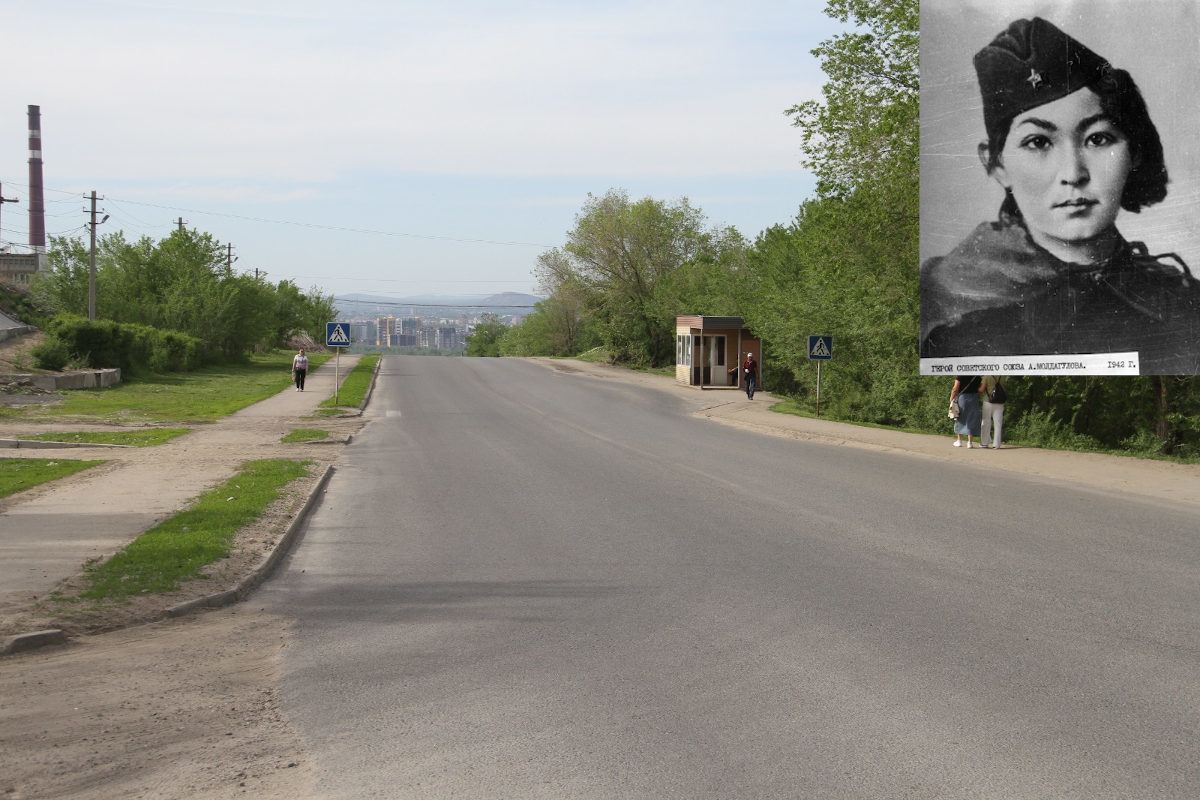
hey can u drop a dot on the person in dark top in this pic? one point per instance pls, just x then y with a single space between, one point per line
970 417
1071 141
750 374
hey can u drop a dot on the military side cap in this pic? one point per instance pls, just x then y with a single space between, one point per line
1030 64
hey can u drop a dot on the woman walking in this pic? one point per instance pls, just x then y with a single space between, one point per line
299 369
966 391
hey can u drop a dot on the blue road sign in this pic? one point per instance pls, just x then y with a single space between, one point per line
820 347
337 334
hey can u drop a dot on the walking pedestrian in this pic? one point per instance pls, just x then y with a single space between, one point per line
299 369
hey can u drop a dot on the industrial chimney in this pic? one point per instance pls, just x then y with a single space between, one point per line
37 197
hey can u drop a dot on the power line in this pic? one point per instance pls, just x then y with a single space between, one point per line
316 225
344 229
421 305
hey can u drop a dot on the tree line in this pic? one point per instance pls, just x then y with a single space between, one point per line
184 284
845 266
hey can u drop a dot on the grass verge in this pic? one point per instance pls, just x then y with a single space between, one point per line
19 474
355 385
148 437
204 395
299 435
178 549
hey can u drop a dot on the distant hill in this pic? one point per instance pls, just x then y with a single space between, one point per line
510 300
366 305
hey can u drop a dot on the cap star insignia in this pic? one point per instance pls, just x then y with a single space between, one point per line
1034 79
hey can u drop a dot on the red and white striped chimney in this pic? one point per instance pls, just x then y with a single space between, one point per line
37 197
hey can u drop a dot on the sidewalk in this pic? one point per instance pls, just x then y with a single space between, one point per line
46 535
1156 480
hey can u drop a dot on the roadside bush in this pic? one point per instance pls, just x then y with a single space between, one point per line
133 348
18 302
1040 429
52 354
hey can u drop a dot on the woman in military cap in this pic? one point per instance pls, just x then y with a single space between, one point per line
1070 140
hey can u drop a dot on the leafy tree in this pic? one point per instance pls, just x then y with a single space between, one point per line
558 326
847 265
866 131
484 341
623 260
181 283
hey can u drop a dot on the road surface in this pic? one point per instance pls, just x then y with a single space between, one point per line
528 583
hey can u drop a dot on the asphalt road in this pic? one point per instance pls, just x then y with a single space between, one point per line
530 584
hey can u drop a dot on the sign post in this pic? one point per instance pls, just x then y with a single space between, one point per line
337 336
820 348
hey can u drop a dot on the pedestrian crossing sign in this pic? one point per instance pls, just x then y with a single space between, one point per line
337 334
820 347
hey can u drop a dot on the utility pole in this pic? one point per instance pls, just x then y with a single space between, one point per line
92 256
181 222
229 259
4 200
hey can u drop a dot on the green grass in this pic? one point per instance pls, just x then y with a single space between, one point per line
596 355
305 435
797 408
201 396
147 437
178 549
19 474
354 386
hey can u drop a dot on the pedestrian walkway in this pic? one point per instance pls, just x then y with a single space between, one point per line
1144 478
1151 479
48 536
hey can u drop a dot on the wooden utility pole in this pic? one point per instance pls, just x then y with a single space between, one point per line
181 222
4 200
92 257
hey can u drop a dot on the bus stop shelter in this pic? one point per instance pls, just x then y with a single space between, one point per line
708 351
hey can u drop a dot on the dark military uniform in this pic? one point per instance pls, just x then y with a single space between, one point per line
999 293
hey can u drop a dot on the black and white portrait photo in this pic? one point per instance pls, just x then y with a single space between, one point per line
1060 187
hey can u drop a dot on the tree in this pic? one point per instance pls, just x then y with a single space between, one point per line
181 283
868 127
621 258
484 341
558 326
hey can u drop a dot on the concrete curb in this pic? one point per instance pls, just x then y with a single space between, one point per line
38 444
370 387
31 641
263 571
14 332
24 642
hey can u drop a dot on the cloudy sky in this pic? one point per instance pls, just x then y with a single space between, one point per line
401 148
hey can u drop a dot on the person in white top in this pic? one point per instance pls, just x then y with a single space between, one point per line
299 369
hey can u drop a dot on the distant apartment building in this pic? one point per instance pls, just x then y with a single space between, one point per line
362 331
449 338
385 328
413 332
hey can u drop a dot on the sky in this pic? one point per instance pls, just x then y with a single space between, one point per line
400 148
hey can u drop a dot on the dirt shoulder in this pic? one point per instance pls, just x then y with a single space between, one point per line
137 704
